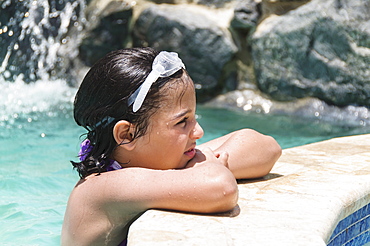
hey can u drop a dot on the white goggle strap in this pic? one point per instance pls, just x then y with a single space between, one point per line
165 64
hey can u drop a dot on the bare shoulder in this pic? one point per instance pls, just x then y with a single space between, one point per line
100 205
120 186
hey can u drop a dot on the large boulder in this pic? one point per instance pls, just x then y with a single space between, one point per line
209 3
246 15
321 49
279 7
206 48
109 30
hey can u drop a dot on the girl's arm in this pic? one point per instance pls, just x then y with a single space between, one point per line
251 154
208 187
112 200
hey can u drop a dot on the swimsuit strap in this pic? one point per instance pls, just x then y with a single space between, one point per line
113 165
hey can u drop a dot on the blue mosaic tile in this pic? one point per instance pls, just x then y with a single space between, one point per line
352 230
358 215
360 239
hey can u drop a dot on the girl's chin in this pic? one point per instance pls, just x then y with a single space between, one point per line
182 164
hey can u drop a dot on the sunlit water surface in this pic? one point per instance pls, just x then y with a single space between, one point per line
38 138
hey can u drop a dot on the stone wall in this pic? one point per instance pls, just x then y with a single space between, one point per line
320 50
278 50
285 49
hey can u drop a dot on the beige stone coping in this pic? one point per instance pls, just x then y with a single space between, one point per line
300 202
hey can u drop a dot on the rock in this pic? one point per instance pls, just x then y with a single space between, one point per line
321 50
246 15
205 46
311 109
280 7
111 32
209 3
171 1
34 36
213 3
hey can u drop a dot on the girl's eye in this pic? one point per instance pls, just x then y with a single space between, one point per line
183 121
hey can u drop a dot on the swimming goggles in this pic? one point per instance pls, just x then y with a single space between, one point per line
164 65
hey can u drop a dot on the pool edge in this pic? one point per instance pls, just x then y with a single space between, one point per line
310 189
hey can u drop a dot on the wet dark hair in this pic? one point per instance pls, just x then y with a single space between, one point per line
102 100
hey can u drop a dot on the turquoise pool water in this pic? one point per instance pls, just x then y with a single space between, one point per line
38 137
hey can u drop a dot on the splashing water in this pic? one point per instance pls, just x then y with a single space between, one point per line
20 100
41 37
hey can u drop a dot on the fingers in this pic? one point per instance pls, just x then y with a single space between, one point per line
208 151
223 158
207 155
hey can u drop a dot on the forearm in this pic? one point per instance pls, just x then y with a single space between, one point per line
204 188
201 189
253 161
251 154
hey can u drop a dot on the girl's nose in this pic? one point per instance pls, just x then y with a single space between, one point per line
197 132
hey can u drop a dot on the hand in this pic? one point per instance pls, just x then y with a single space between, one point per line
208 156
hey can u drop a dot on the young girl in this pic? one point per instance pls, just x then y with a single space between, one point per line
138 107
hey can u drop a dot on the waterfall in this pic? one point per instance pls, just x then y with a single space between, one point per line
38 51
39 39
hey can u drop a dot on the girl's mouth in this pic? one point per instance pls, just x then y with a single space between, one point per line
190 153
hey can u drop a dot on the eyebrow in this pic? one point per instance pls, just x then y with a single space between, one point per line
181 114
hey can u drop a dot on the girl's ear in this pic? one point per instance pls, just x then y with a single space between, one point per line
123 132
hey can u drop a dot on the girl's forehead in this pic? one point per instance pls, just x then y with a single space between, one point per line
177 98
177 90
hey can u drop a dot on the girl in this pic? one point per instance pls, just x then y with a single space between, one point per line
138 107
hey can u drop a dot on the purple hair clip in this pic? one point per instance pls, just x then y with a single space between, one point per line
85 149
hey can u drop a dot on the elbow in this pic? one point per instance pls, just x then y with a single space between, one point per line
269 154
273 153
229 197
225 195
277 151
